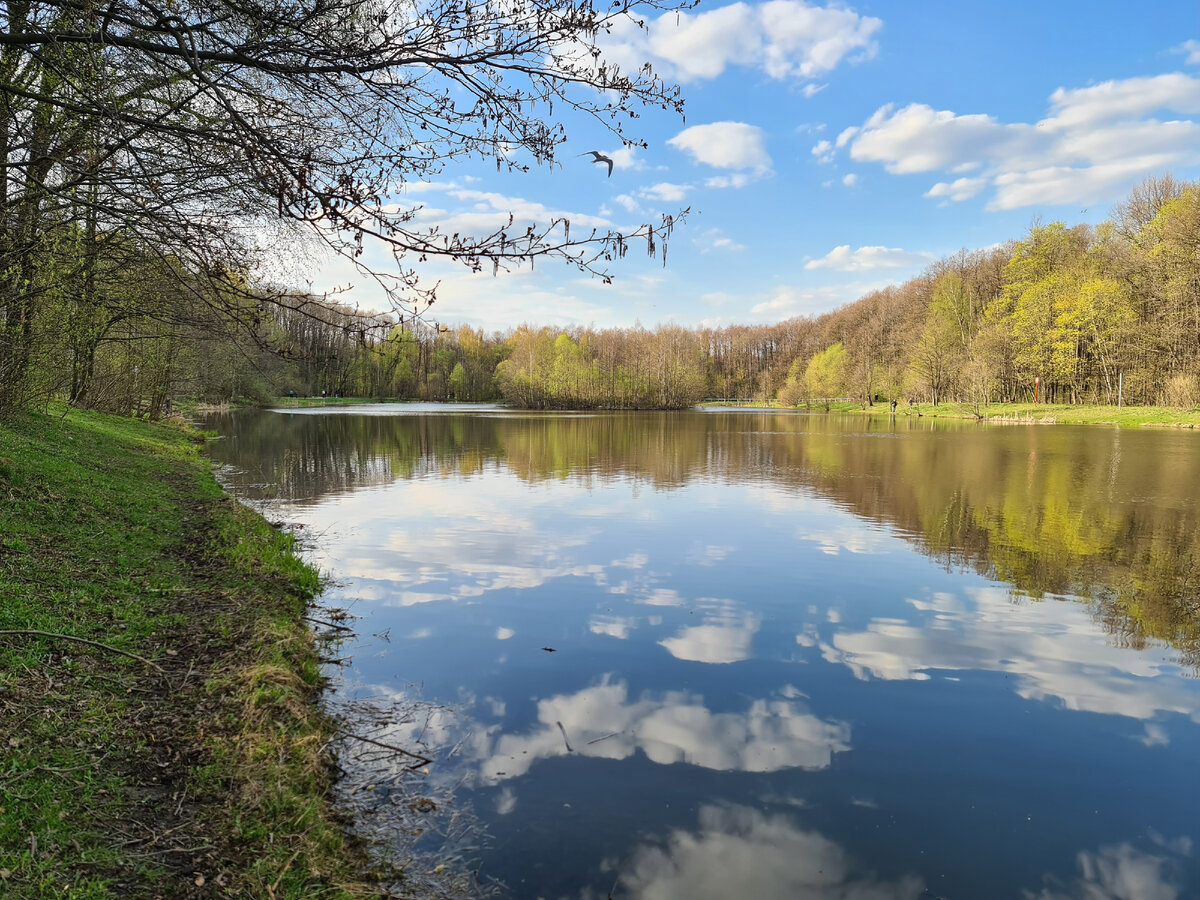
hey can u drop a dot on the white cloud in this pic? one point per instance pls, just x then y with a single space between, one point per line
737 851
919 138
784 38
506 801
1052 651
728 181
1113 101
850 180
619 627
661 597
1190 49
1092 143
852 537
724 635
866 259
666 192
1121 872
811 89
958 190
627 203
786 301
725 145
603 721
489 211
710 554
724 243
714 239
645 198
1155 736
823 151
626 158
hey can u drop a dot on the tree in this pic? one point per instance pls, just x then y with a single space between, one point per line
1170 244
1040 273
825 376
793 390
458 382
943 346
190 128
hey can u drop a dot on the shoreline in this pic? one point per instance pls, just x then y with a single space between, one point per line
1005 413
997 413
158 680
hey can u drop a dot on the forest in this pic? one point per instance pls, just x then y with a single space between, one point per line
150 196
1078 314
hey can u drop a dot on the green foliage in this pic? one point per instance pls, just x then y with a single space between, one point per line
630 369
1111 315
459 387
115 531
825 375
793 390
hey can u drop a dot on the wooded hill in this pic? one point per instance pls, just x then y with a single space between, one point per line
1095 314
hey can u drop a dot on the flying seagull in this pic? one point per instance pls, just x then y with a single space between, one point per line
598 157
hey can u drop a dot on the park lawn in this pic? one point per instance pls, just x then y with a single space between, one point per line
1037 413
1046 413
180 753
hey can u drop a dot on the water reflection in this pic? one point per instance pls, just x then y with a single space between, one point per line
958 654
1048 647
736 851
723 637
673 727
1114 515
1124 872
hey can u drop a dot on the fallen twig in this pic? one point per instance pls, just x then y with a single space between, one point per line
273 888
421 760
79 640
329 624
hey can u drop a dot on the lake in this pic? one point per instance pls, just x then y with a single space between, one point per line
761 654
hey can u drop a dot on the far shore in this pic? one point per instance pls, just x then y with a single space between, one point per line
1016 413
1002 413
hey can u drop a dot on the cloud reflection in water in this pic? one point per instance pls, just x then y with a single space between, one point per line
1122 872
724 634
602 721
741 852
1054 649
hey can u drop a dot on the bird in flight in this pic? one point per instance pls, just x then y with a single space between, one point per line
598 157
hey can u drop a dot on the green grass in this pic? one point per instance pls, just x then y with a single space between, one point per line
307 402
188 747
1061 414
1045 413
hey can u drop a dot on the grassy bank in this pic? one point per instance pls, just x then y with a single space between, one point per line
158 732
1043 413
1047 413
308 402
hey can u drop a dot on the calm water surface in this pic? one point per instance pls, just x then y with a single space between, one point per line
793 656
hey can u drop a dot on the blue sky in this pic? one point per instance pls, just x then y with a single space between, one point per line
829 150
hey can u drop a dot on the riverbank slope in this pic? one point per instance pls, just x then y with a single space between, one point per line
159 735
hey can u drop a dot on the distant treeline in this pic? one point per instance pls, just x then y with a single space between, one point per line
1079 314
1075 314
